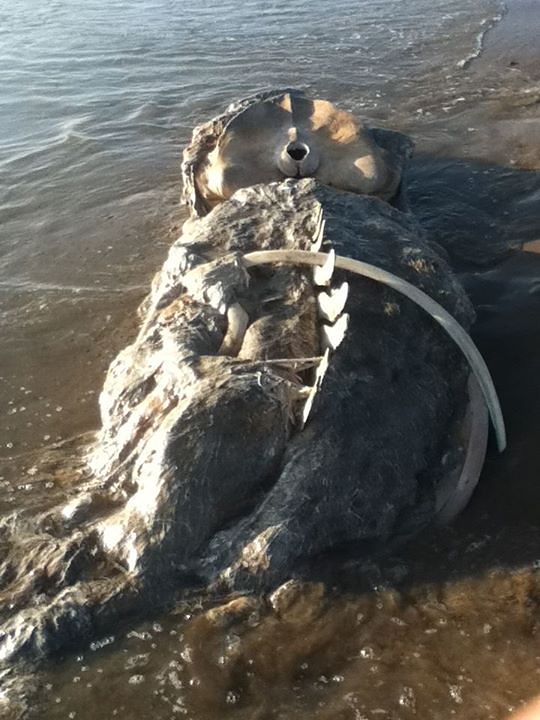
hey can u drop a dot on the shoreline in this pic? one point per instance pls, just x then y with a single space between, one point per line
482 38
513 41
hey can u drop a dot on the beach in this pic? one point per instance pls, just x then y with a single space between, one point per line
89 180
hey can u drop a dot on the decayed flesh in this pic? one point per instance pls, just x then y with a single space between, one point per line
261 417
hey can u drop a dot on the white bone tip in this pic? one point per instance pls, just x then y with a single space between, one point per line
333 335
238 321
322 368
322 274
332 303
318 237
311 392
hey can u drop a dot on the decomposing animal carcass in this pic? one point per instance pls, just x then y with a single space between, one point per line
273 407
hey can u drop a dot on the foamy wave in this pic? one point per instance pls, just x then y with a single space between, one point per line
486 25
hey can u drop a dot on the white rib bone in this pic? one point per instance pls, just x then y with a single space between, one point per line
331 303
453 493
332 335
322 274
437 312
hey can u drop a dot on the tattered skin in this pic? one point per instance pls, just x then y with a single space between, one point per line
292 136
263 415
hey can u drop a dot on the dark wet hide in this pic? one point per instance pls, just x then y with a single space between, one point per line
204 469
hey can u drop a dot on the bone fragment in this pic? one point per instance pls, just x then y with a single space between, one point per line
453 493
322 368
331 303
297 364
238 320
317 241
332 335
303 392
313 390
258 143
318 235
322 274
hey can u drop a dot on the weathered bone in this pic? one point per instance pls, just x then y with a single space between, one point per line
437 312
333 335
332 303
453 495
302 392
296 364
216 282
322 274
314 389
238 320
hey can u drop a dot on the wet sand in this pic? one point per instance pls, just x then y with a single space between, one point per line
514 136
513 42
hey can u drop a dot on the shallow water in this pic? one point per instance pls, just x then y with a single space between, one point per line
98 100
96 106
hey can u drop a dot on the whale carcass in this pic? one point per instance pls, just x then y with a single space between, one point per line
266 413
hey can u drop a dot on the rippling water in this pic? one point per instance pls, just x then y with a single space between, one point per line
97 100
